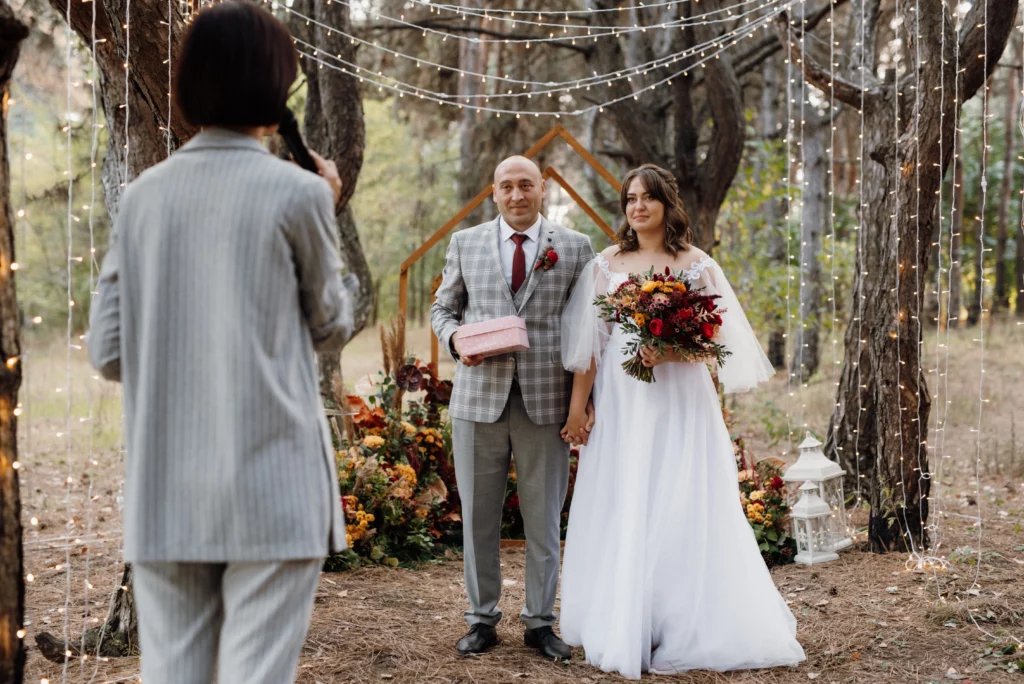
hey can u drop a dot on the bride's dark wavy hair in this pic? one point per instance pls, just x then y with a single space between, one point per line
660 184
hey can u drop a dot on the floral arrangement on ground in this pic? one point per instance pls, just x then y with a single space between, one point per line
397 475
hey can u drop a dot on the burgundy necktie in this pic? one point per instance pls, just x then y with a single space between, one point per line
518 263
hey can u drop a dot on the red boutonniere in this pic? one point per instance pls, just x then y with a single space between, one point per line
547 260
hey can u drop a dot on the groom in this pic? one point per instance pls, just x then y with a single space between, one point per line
517 265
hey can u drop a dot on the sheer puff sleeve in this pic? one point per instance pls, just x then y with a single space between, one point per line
747 365
584 331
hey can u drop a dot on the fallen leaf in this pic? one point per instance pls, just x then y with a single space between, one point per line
856 656
823 602
812 675
892 590
343 594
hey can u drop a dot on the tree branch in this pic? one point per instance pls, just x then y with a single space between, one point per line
1001 17
766 47
821 78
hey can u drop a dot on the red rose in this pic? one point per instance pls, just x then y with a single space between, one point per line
776 482
657 326
686 313
707 330
552 256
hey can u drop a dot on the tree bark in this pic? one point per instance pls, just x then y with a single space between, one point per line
132 146
774 208
977 303
703 183
806 350
334 127
880 428
1001 298
12 576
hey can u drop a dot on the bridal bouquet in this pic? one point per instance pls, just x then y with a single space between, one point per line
659 310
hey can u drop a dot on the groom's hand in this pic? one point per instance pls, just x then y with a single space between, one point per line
466 360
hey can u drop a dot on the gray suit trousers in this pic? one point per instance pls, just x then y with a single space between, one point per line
246 622
482 456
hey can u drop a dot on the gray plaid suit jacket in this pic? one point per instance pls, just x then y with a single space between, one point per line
474 289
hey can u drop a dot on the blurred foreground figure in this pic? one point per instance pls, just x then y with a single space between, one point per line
222 280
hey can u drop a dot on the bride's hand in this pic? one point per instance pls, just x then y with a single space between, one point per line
651 357
575 431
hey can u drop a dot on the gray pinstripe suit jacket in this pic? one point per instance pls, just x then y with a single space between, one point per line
222 277
475 289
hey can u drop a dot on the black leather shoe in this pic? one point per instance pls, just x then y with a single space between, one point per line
480 638
547 642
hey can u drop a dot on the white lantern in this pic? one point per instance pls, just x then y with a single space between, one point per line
813 466
810 527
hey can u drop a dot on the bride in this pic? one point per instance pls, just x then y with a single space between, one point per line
661 571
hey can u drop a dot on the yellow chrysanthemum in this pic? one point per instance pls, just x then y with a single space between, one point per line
409 428
680 285
757 495
640 319
649 286
373 441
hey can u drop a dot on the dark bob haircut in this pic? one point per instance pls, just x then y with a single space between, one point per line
660 184
235 67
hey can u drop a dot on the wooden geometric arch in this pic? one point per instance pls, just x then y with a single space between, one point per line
548 173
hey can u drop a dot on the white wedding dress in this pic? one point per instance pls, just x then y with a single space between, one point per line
661 571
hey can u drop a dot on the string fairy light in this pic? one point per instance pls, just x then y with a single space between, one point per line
936 463
861 253
548 87
802 271
790 132
403 89
69 519
493 15
981 299
444 35
90 459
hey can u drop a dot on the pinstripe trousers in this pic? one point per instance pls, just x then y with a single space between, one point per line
245 621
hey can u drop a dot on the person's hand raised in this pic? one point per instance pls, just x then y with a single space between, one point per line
330 172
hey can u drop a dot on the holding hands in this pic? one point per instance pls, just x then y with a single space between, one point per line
577 428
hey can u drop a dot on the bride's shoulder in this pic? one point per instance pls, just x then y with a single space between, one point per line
695 261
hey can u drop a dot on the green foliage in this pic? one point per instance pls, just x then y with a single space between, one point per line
46 136
406 192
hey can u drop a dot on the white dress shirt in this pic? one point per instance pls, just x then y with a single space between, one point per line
508 247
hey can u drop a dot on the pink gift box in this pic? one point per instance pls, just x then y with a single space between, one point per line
490 338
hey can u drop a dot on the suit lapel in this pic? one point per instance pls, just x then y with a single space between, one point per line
494 254
548 240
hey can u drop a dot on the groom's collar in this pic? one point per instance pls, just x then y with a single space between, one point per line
533 232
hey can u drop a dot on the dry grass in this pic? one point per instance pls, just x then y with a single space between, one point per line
400 625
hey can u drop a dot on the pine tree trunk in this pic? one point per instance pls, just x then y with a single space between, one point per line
976 304
774 208
333 126
806 350
1001 298
880 421
12 578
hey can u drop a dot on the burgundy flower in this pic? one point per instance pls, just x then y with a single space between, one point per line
710 306
409 378
776 482
707 330
657 327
